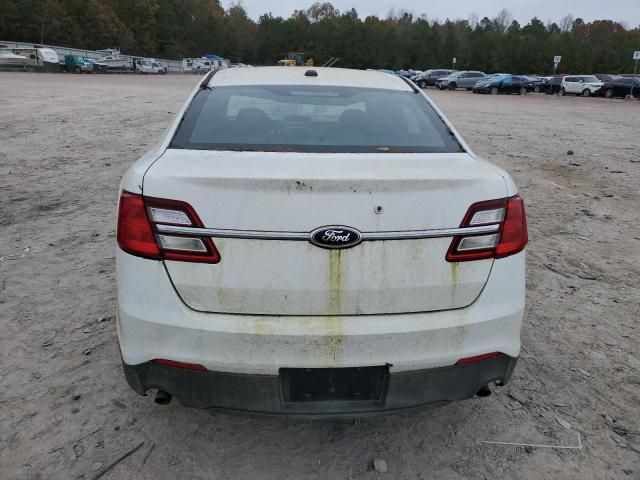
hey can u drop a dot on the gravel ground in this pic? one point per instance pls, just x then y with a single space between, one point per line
67 412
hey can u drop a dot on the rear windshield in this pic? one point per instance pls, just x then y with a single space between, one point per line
312 119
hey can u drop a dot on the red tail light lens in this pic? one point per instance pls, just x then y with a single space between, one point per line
479 358
509 239
176 364
513 235
135 233
138 235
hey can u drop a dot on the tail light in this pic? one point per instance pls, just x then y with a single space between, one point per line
510 238
138 235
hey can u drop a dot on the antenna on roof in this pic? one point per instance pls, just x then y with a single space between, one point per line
205 83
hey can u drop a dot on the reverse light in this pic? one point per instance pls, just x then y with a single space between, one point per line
511 238
137 234
170 217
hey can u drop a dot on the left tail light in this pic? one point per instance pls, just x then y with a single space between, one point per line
511 237
137 234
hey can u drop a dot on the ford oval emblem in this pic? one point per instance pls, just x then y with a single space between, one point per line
335 237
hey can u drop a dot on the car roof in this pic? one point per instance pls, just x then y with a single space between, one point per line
337 77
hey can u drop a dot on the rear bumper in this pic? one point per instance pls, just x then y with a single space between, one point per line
265 394
245 354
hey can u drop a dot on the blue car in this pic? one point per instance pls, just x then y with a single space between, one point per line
495 84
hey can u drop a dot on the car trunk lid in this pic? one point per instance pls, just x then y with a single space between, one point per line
272 201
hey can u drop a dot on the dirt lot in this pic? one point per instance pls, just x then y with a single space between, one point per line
67 412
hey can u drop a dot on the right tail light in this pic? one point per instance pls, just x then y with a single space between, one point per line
511 237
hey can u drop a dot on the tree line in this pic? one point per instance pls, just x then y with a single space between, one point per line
189 28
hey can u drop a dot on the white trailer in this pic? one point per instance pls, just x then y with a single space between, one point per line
42 59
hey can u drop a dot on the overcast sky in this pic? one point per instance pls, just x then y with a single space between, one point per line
626 11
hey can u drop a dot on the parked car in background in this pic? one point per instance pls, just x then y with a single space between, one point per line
462 79
503 84
96 66
428 78
333 305
605 77
550 86
621 87
585 85
538 85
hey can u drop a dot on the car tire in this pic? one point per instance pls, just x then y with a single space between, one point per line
608 93
452 86
536 89
422 84
77 70
493 91
586 92
523 91
562 92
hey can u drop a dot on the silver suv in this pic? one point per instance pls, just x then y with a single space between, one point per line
585 85
430 77
463 79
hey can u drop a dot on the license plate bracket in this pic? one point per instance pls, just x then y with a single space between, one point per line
329 385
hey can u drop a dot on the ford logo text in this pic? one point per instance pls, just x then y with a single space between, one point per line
335 237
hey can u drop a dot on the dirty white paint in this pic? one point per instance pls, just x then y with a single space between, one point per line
153 323
276 277
303 191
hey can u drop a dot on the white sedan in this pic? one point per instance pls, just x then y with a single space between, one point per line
317 241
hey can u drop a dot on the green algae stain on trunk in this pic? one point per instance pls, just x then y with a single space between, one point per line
454 274
334 340
454 281
334 336
335 282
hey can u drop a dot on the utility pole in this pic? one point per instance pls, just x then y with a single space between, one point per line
636 57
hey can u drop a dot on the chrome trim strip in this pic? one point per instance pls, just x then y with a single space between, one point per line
417 234
265 235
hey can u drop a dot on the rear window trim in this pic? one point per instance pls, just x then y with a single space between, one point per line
190 116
